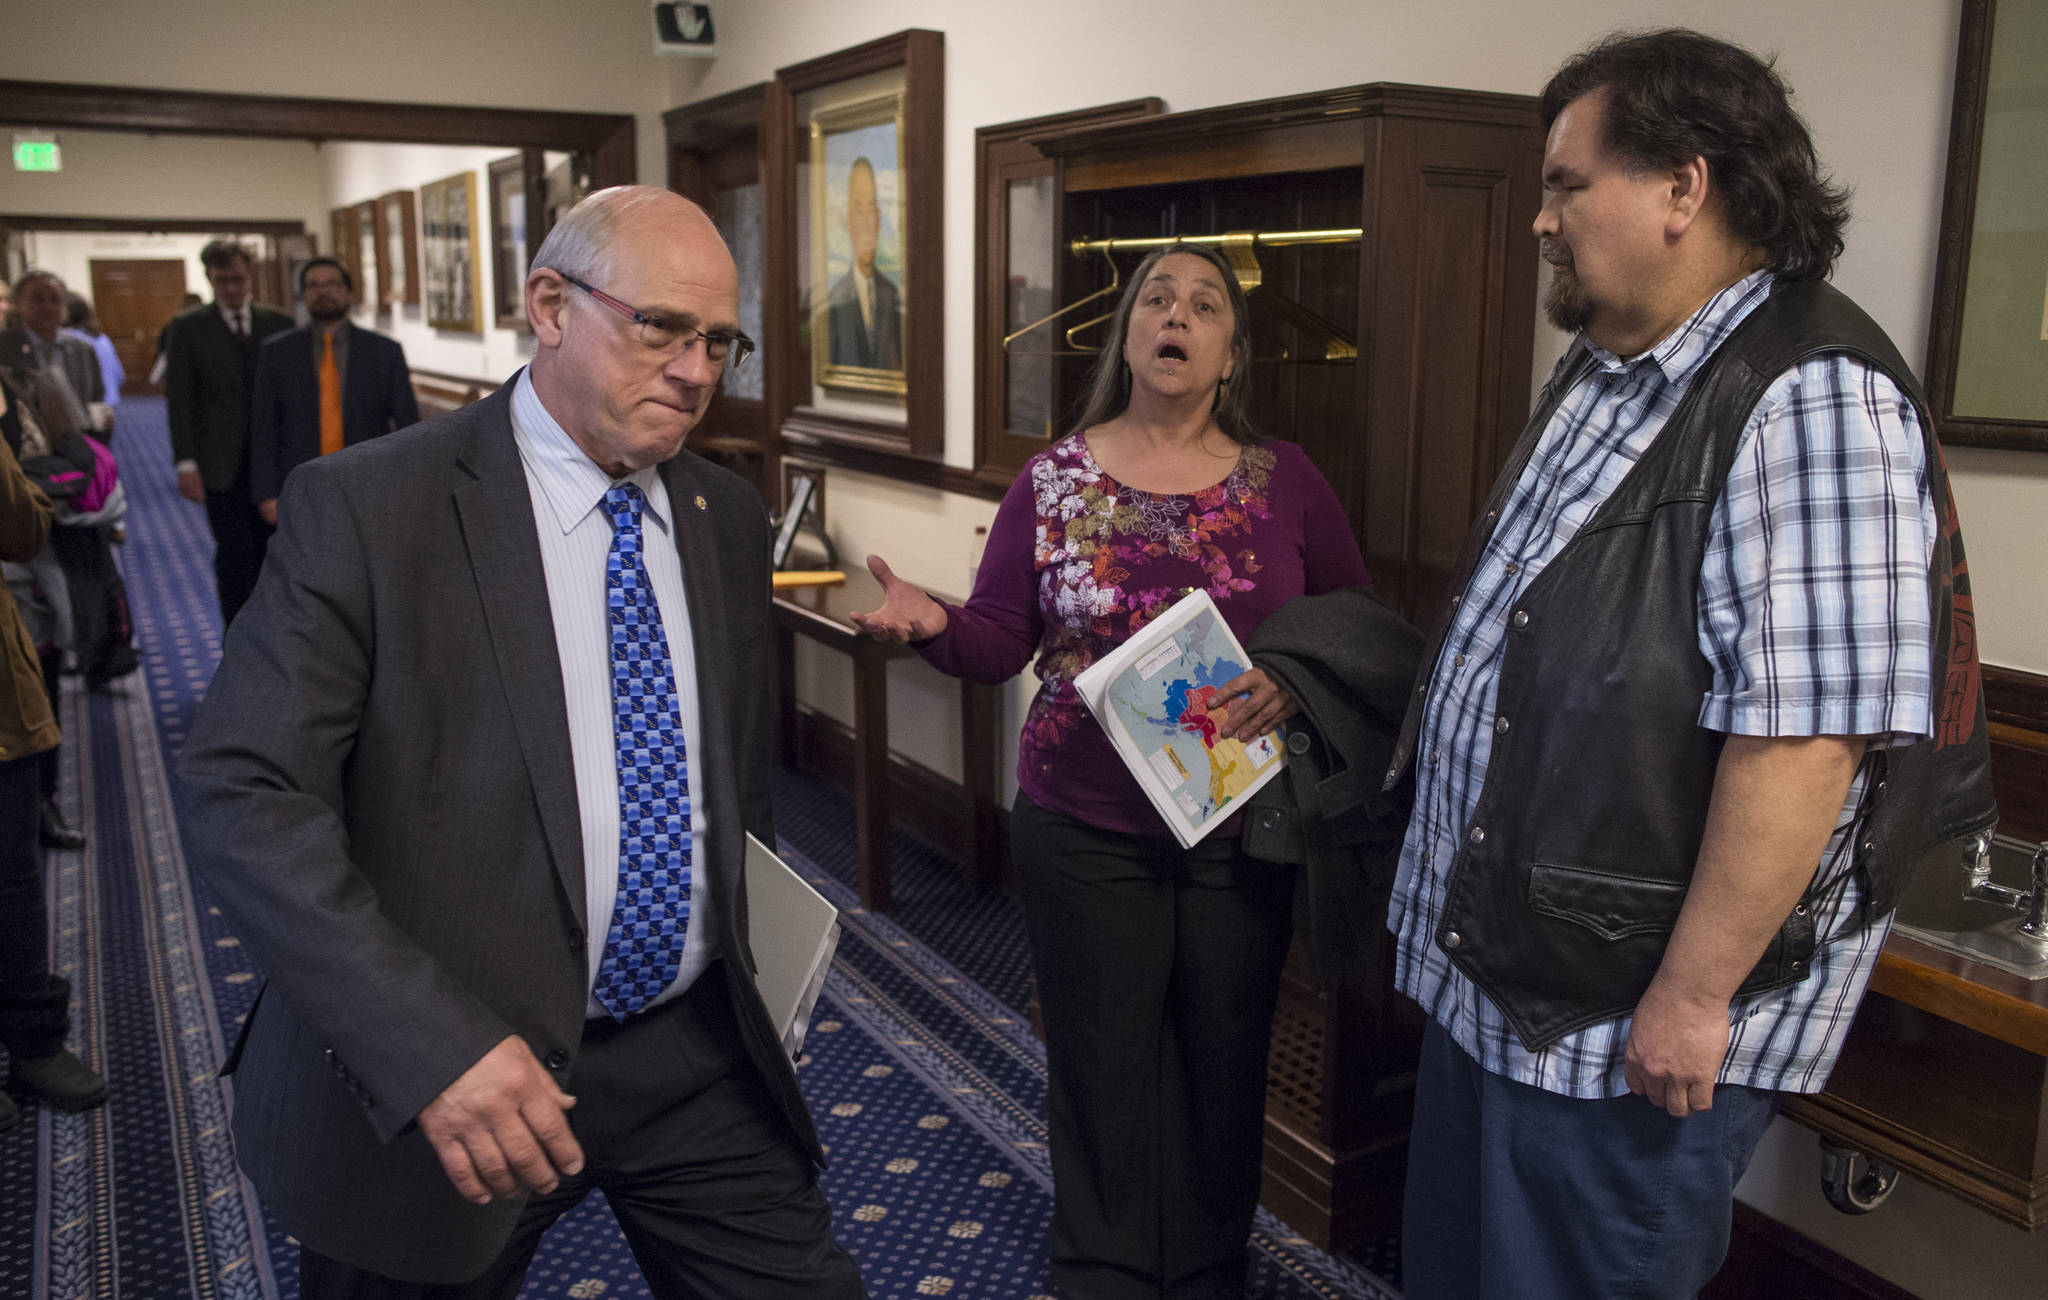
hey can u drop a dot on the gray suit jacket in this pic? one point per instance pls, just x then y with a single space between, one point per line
382 796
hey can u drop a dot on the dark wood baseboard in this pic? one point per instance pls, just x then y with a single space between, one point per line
1769 1261
919 798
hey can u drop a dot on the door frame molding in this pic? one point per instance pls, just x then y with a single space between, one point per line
608 138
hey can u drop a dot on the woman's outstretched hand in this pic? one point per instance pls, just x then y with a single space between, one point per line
907 614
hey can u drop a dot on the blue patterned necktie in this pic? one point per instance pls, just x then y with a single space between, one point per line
645 944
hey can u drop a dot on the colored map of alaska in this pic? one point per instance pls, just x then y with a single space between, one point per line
1187 702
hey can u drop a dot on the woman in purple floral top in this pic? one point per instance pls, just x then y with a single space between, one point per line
1157 966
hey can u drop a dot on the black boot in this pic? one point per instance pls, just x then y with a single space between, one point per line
32 1027
54 831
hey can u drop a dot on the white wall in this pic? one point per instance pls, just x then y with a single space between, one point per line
590 57
356 172
114 174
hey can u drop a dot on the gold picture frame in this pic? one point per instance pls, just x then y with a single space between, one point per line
397 217
451 279
369 257
858 337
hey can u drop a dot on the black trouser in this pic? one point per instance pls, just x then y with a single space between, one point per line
1157 971
240 538
699 1168
24 924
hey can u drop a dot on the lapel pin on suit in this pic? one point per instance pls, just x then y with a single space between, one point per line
702 504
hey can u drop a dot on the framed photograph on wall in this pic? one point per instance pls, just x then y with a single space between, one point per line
511 182
857 207
448 235
1987 351
397 217
853 173
341 242
803 487
369 262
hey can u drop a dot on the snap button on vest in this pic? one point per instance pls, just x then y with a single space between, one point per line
1453 939
1477 835
1521 618
1500 725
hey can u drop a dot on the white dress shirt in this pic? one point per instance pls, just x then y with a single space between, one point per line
575 533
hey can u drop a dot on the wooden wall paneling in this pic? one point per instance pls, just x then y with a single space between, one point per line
1898 1093
1449 387
1004 154
2016 706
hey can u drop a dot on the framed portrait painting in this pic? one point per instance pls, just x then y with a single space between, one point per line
853 174
858 201
397 217
450 275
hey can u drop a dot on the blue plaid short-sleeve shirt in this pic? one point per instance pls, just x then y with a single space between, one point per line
1814 613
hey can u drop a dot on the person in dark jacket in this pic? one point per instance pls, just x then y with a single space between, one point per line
210 366
323 386
1685 722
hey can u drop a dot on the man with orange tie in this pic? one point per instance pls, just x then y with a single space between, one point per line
323 386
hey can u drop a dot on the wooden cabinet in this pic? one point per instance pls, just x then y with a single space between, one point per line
1399 360
1437 294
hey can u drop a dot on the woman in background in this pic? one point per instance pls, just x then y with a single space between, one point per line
1157 966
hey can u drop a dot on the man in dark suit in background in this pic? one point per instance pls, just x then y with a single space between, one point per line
866 311
209 369
472 784
323 386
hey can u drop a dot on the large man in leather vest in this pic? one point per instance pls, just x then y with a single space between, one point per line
1705 693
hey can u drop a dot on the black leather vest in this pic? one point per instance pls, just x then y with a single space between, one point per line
1569 880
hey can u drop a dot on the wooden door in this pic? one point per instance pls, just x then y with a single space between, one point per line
133 298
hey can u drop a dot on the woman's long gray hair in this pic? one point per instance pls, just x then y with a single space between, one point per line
1109 384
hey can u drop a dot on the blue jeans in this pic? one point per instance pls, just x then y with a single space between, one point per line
1514 1191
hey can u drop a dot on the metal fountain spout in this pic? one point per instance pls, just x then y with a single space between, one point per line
2031 902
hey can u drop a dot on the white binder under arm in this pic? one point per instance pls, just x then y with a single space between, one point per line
793 932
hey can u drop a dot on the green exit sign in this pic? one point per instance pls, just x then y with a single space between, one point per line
37 156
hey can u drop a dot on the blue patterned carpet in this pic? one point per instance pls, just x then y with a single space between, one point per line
928 1087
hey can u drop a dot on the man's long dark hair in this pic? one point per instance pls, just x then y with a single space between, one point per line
1676 95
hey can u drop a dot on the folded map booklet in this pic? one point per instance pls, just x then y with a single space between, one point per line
1153 693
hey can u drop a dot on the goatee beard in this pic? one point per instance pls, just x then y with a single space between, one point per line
1565 303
